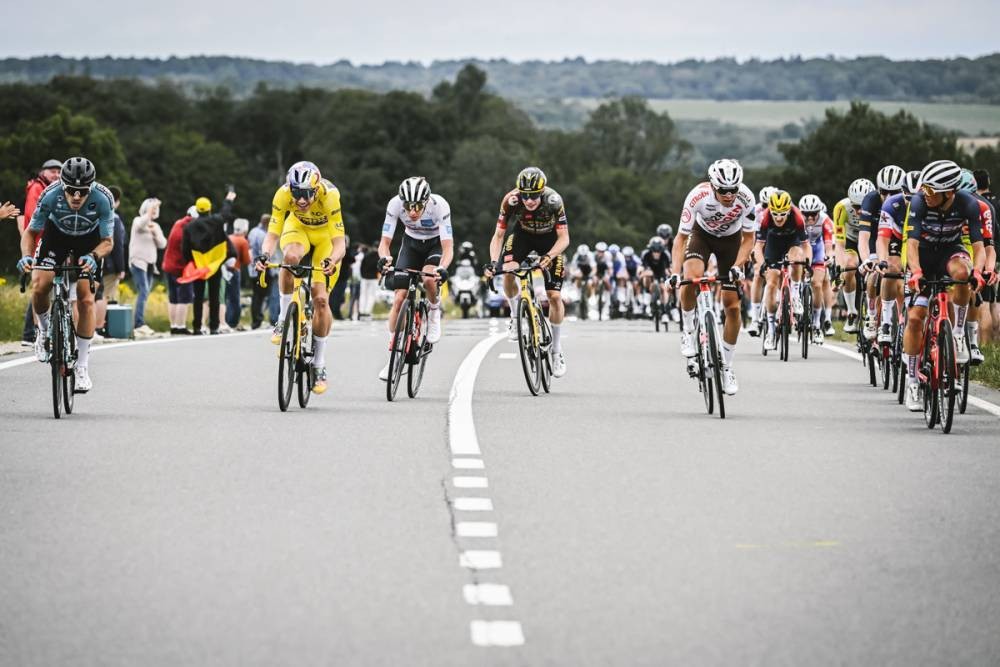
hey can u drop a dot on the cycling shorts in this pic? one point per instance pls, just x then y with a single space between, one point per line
55 247
701 245
415 254
316 240
519 244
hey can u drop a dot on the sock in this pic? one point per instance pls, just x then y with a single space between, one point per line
796 288
755 311
974 333
687 316
887 311
960 313
556 337
512 302
817 317
43 324
849 301
319 351
435 305
283 301
770 323
647 298
82 351
828 313
911 365
728 352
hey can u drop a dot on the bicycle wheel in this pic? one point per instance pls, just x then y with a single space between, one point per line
418 338
927 387
874 361
963 388
715 360
784 328
546 352
600 301
286 356
805 330
304 370
68 376
654 306
704 372
901 383
946 371
397 353
528 348
885 367
56 354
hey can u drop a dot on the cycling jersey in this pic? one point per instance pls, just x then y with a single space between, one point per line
868 219
435 221
548 217
632 266
795 226
314 229
819 229
933 226
845 221
702 208
97 213
660 266
893 216
602 261
581 260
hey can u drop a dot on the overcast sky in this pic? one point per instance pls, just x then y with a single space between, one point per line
373 31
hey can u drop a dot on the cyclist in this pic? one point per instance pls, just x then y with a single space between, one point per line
889 249
666 232
582 269
717 218
846 218
533 218
890 180
986 216
427 246
757 268
939 214
74 217
466 251
306 218
619 273
782 232
655 265
632 263
819 230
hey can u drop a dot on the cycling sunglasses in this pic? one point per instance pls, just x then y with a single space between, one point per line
75 190
531 196
303 193
727 191
414 205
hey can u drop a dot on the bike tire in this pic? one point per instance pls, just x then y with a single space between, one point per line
946 376
715 360
874 359
286 356
546 352
885 368
963 388
927 388
901 374
305 372
704 374
69 377
528 348
55 355
397 353
416 373
806 318
784 329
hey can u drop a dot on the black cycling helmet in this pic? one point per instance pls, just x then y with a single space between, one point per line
665 231
656 244
78 172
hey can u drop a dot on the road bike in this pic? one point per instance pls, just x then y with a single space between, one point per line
938 372
783 323
295 353
890 353
61 346
803 324
409 346
706 365
534 334
658 309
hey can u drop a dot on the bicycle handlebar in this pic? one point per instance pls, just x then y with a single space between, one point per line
521 271
60 268
424 274
297 270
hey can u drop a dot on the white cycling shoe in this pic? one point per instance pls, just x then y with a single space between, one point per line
976 355
885 334
963 350
383 374
851 326
870 328
511 330
82 383
729 384
41 347
828 329
913 401
558 365
769 339
797 305
687 344
434 325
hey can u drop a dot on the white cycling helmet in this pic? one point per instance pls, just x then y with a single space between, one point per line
725 173
614 249
628 251
912 181
941 176
583 249
601 246
765 194
890 178
810 204
414 190
859 188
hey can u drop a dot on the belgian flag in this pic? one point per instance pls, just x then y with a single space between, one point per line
206 247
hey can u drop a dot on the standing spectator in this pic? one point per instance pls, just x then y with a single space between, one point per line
48 174
343 278
114 267
206 247
179 296
270 292
369 281
147 237
353 309
234 308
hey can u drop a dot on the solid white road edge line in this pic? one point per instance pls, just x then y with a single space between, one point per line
461 429
982 404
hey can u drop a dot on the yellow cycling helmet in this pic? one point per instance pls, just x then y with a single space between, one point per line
202 205
780 202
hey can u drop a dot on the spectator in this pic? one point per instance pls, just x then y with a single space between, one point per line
179 295
32 193
8 210
369 281
270 291
234 269
114 267
343 278
205 248
353 309
146 238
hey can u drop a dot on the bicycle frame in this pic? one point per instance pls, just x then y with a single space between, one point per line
301 277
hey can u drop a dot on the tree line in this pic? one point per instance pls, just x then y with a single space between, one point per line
624 172
873 78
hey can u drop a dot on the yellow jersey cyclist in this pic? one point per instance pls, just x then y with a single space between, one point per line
306 217
846 221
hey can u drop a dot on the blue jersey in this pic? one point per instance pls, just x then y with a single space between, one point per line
871 212
935 227
96 213
893 215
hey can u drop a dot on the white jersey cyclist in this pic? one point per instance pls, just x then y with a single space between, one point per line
701 207
434 222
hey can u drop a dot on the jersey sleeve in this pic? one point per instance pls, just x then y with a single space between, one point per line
558 208
765 222
392 211
279 210
915 219
871 209
840 222
444 219
506 204
972 215
106 222
800 226
690 211
986 217
749 203
827 229
334 216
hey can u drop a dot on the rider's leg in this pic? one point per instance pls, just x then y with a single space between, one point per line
958 269
851 284
694 269
41 286
731 331
85 326
292 254
773 278
819 278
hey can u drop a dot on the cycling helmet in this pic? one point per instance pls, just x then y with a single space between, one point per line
939 176
810 204
628 251
665 231
465 262
601 246
890 178
655 244
304 175
912 181
779 202
967 183
614 249
414 190
765 194
78 172
531 181
859 189
583 249
725 173
466 245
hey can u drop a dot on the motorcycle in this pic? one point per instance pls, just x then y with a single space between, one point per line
465 287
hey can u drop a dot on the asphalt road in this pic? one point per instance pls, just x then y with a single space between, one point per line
177 517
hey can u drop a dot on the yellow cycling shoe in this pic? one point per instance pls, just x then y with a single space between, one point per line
279 328
319 386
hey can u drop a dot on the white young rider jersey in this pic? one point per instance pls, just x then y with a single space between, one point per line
701 207
434 221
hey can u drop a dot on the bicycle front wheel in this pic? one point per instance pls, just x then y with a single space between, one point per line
545 348
56 355
806 319
418 338
715 361
963 388
397 353
527 345
946 371
68 376
304 370
785 325
286 356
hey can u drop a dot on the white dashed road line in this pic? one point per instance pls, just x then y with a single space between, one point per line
470 482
